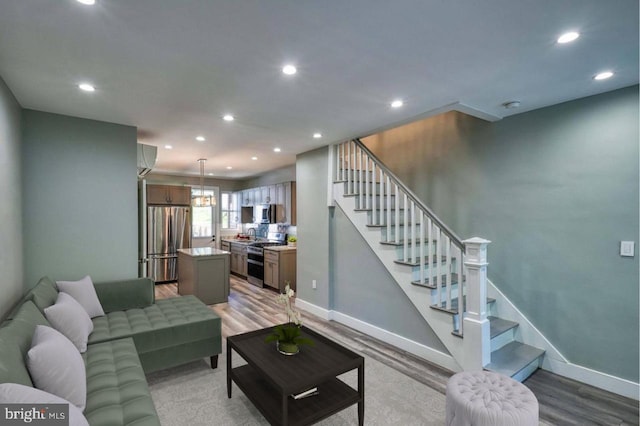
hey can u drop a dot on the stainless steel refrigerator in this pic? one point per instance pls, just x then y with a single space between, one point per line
168 229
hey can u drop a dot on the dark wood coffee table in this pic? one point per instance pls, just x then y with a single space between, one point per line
269 378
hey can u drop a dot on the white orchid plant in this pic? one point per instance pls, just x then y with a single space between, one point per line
289 335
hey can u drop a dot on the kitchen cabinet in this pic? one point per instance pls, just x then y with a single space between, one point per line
247 197
280 267
204 272
257 196
281 193
239 259
168 195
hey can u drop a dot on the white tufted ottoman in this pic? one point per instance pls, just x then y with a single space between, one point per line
484 398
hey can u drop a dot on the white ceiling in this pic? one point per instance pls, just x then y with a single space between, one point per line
174 67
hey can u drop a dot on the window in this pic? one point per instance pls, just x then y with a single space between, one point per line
202 217
229 210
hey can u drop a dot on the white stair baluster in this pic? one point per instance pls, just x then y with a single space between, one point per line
375 220
463 307
388 200
349 168
406 228
435 264
414 236
421 254
448 272
397 215
367 190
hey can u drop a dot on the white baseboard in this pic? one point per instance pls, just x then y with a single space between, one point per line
313 309
408 345
594 378
591 377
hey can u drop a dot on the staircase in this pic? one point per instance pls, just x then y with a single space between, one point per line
443 276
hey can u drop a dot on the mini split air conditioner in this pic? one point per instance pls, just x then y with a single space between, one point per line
147 155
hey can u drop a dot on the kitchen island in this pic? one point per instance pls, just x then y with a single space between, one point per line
204 272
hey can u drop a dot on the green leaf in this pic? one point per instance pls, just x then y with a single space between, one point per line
304 341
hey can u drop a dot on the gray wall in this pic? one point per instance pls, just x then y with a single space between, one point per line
349 277
313 227
80 202
284 174
11 284
556 190
364 289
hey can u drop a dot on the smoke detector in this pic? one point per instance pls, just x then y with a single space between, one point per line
511 104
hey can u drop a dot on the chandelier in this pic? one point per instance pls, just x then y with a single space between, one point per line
202 200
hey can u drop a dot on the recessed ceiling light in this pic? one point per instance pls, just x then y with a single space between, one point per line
289 69
229 167
200 138
86 87
397 103
603 75
87 2
210 174
228 117
317 135
254 158
168 147
276 149
568 37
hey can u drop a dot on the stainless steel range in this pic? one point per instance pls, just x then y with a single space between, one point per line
255 257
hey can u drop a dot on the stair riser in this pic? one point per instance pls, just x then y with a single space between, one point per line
381 218
381 203
528 370
391 232
502 339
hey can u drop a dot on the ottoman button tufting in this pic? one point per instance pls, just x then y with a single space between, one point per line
484 398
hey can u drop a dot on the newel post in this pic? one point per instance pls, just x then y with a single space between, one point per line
477 339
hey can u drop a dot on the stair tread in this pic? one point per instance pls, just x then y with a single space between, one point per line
401 242
500 325
513 357
454 305
425 283
426 261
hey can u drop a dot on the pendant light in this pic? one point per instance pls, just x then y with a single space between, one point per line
203 200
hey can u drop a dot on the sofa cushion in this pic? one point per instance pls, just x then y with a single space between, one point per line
167 323
44 294
85 293
117 391
69 318
15 342
13 393
55 366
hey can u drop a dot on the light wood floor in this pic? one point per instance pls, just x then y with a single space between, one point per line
562 401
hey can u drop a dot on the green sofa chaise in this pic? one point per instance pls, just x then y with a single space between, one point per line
137 335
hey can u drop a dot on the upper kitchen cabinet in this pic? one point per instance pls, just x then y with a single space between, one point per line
290 203
246 197
281 193
169 195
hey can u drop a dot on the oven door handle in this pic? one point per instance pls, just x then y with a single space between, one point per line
255 262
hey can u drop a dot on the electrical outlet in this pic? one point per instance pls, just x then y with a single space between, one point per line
314 285
627 248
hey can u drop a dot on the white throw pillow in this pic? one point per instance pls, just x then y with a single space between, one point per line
69 318
85 293
56 366
13 393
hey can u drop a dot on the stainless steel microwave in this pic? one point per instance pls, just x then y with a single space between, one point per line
268 213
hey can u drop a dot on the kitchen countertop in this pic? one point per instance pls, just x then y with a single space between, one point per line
239 241
280 248
202 251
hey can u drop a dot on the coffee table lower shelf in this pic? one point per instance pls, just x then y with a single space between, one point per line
334 395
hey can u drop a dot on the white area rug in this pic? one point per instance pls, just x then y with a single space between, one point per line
194 394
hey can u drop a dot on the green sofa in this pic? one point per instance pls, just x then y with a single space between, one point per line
137 335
